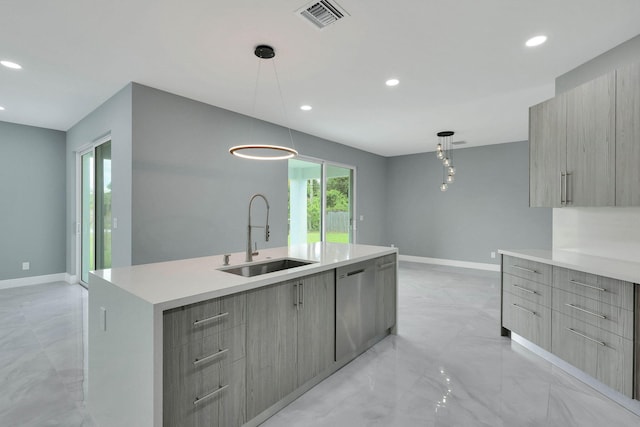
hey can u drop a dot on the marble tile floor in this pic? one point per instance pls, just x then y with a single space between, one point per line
42 356
447 367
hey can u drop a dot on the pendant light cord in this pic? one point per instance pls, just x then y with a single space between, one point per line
284 110
255 100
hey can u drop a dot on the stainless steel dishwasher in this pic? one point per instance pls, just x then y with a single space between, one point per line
355 307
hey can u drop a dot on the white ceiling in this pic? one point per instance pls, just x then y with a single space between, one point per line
462 64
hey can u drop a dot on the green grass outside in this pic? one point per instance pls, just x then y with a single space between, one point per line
314 236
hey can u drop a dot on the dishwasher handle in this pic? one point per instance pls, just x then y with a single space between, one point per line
353 273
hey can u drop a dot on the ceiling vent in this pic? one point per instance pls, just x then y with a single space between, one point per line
322 13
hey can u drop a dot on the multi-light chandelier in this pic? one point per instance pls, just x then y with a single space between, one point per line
444 152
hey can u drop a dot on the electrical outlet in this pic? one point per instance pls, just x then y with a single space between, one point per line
393 246
115 222
103 318
361 217
26 265
493 254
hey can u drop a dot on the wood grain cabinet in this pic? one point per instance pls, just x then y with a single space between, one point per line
593 323
526 299
572 147
585 319
548 152
591 109
385 278
204 364
628 136
290 337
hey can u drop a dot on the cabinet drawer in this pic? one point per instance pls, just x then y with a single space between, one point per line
596 313
527 289
196 321
531 270
607 290
198 362
599 353
528 319
213 397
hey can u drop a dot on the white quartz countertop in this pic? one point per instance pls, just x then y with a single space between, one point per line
176 283
608 267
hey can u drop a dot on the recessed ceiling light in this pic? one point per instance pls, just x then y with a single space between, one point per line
1 108
392 82
306 107
10 64
536 41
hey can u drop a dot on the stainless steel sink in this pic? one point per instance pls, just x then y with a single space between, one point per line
265 267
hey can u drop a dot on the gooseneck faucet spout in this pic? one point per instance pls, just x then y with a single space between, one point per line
249 256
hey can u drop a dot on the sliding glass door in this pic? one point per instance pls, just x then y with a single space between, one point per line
305 201
95 209
339 204
321 206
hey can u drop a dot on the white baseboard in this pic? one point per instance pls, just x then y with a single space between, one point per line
71 278
451 262
34 280
616 396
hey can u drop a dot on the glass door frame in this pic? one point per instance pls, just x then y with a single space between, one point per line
352 199
323 185
81 151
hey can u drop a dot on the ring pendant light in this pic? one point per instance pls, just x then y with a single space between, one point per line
266 151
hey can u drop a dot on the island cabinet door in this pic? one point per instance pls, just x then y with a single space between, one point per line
271 345
316 325
385 278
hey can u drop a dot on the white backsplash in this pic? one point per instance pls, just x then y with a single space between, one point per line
607 232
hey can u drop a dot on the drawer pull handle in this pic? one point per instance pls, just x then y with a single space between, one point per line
525 269
575 282
586 337
353 273
209 357
525 309
387 265
210 319
524 289
586 311
210 395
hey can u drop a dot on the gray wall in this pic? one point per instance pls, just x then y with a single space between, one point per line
486 209
32 194
190 196
623 54
114 117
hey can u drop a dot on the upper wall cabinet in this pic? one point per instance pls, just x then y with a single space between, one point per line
591 143
572 147
547 152
628 136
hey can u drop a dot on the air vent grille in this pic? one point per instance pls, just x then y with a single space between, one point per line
322 13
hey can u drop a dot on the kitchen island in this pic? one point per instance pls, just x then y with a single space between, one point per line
185 343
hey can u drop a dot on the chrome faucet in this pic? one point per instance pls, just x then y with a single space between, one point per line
250 254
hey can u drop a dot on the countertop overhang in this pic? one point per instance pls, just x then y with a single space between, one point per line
171 284
609 267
